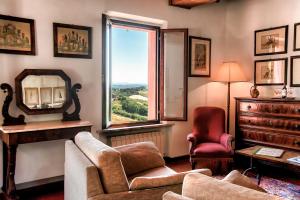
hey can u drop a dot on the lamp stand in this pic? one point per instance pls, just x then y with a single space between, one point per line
228 106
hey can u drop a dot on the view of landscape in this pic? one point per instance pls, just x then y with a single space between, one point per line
129 103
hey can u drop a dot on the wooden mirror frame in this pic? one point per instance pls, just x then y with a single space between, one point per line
41 72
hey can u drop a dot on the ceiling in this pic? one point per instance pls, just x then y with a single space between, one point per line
190 3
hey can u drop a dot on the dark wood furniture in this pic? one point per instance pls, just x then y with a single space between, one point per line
12 136
268 122
190 3
281 162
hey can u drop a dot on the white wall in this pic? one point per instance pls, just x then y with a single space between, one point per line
243 17
42 160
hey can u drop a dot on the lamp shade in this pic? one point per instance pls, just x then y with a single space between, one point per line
230 72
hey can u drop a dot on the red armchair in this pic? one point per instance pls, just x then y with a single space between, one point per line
208 140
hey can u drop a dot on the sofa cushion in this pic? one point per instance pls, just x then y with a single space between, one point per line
107 160
140 157
198 186
237 178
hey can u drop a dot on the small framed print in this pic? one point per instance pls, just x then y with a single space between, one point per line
295 71
200 56
46 95
17 35
270 72
59 95
32 96
271 41
72 41
297 37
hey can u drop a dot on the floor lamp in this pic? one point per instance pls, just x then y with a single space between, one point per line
230 72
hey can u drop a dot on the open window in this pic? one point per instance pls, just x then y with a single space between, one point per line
144 77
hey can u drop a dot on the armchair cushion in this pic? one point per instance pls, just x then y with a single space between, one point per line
140 183
106 159
139 157
237 178
173 196
211 149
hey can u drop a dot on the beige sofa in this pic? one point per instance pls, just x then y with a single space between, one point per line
95 171
234 186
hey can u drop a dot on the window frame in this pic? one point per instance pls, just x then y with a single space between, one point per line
107 23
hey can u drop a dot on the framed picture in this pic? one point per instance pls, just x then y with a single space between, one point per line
72 41
297 37
200 56
46 95
17 35
271 41
59 95
31 96
270 72
295 71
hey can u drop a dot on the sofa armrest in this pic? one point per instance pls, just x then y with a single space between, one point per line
140 183
173 196
226 140
81 176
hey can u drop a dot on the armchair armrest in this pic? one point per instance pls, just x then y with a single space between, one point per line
140 183
193 141
226 140
173 196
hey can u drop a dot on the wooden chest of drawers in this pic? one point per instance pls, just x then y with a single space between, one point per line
268 122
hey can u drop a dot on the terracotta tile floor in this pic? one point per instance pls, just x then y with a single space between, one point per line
278 184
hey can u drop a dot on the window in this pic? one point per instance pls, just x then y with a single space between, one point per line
131 67
137 87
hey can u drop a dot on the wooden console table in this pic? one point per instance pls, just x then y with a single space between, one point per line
12 136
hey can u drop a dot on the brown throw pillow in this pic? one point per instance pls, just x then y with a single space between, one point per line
235 177
139 157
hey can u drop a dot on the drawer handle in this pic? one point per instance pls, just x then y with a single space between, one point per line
296 126
249 107
270 123
297 143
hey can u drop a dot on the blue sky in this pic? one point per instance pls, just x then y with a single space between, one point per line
129 56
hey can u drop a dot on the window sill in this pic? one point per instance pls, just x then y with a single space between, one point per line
110 132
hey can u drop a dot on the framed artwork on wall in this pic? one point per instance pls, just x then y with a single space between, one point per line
270 72
200 56
72 41
17 35
297 37
295 71
271 41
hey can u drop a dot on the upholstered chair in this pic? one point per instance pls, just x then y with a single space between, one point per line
95 171
208 140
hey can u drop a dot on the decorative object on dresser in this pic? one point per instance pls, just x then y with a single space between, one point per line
295 71
268 122
12 136
72 41
230 72
254 91
270 72
7 118
17 35
297 37
200 56
271 41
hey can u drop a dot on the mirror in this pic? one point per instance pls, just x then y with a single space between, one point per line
174 74
43 91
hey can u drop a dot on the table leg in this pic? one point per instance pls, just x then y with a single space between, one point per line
9 166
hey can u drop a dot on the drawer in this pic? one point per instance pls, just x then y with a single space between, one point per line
268 137
292 109
293 125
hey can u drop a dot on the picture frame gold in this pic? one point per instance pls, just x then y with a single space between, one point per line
17 35
72 41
